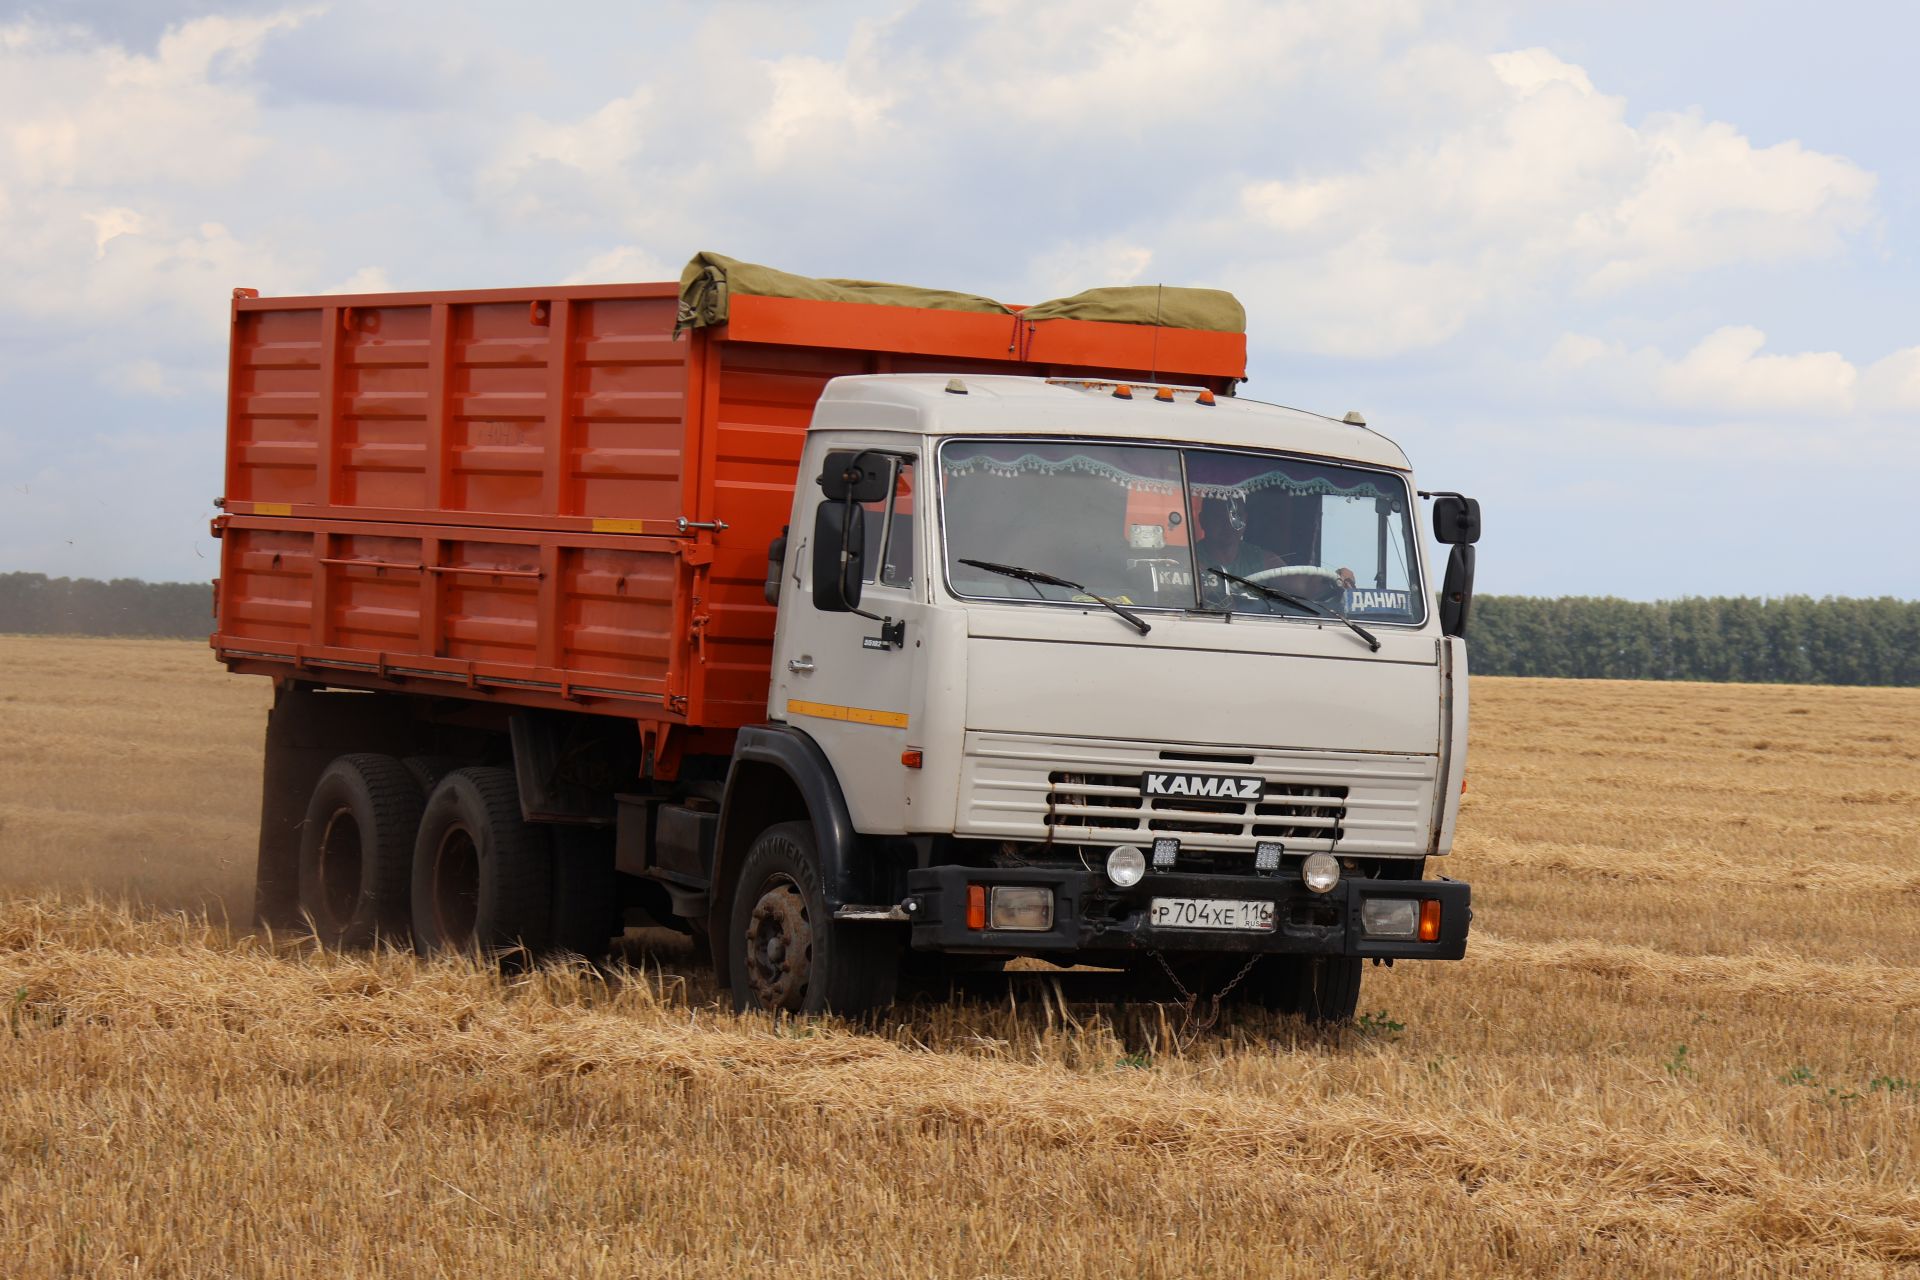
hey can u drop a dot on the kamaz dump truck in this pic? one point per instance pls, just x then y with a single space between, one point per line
844 626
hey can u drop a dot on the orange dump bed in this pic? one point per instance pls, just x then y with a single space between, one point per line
512 494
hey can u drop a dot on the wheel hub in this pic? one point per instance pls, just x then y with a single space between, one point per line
779 947
340 867
456 888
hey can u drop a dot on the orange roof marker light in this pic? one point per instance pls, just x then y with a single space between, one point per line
1205 397
1164 395
1122 391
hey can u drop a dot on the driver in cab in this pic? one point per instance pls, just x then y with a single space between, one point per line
1224 543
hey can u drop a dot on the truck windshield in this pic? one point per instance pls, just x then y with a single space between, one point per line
1153 526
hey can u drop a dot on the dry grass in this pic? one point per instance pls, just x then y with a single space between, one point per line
1732 870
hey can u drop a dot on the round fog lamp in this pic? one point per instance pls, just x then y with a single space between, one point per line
1321 871
1126 865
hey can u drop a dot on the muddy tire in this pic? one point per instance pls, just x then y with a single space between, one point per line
356 851
482 876
786 953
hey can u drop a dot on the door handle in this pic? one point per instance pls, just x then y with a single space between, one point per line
801 666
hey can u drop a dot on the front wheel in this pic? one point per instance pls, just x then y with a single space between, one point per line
1325 990
785 951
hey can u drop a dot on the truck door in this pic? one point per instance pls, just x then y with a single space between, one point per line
845 679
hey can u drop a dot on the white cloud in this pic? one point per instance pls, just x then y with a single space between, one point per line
1359 298
1727 372
814 109
604 140
1893 382
84 114
1113 65
1548 187
110 224
623 264
1074 266
104 156
1528 71
364 280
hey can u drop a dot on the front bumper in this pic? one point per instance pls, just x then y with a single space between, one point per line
1091 915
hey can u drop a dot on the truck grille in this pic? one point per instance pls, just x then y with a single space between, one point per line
1114 802
1088 791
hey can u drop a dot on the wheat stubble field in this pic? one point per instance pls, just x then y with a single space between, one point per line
1686 1041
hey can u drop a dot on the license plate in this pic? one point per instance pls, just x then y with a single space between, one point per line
1237 914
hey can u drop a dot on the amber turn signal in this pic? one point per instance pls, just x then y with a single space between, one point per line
977 906
1429 920
912 758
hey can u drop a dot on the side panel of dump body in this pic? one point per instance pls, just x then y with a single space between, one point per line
546 497
512 410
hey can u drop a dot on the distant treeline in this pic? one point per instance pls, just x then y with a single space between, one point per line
34 604
1786 640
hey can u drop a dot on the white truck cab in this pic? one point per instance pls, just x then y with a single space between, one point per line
1112 673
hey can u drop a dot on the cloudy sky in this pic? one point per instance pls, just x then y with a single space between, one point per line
1641 276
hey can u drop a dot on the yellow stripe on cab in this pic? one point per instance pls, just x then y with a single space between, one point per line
850 715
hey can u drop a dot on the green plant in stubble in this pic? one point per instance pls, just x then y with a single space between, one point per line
1805 1077
1379 1023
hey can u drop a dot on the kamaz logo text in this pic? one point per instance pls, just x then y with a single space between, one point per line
1212 785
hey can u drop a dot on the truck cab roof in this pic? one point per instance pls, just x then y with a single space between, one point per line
999 404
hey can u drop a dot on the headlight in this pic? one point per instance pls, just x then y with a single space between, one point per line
1126 865
1020 906
1390 917
1321 871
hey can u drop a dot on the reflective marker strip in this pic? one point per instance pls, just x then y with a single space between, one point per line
851 715
619 526
273 508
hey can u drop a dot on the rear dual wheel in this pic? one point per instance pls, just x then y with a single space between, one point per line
356 850
482 875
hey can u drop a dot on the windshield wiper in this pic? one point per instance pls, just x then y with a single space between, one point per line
1134 620
1301 602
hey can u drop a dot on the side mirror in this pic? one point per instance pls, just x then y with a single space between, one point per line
776 565
839 554
847 476
1456 519
1456 591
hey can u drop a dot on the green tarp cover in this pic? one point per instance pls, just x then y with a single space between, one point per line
711 278
1211 309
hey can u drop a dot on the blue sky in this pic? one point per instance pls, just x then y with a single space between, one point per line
1640 276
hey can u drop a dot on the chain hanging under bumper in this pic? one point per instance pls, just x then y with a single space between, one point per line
1191 1000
